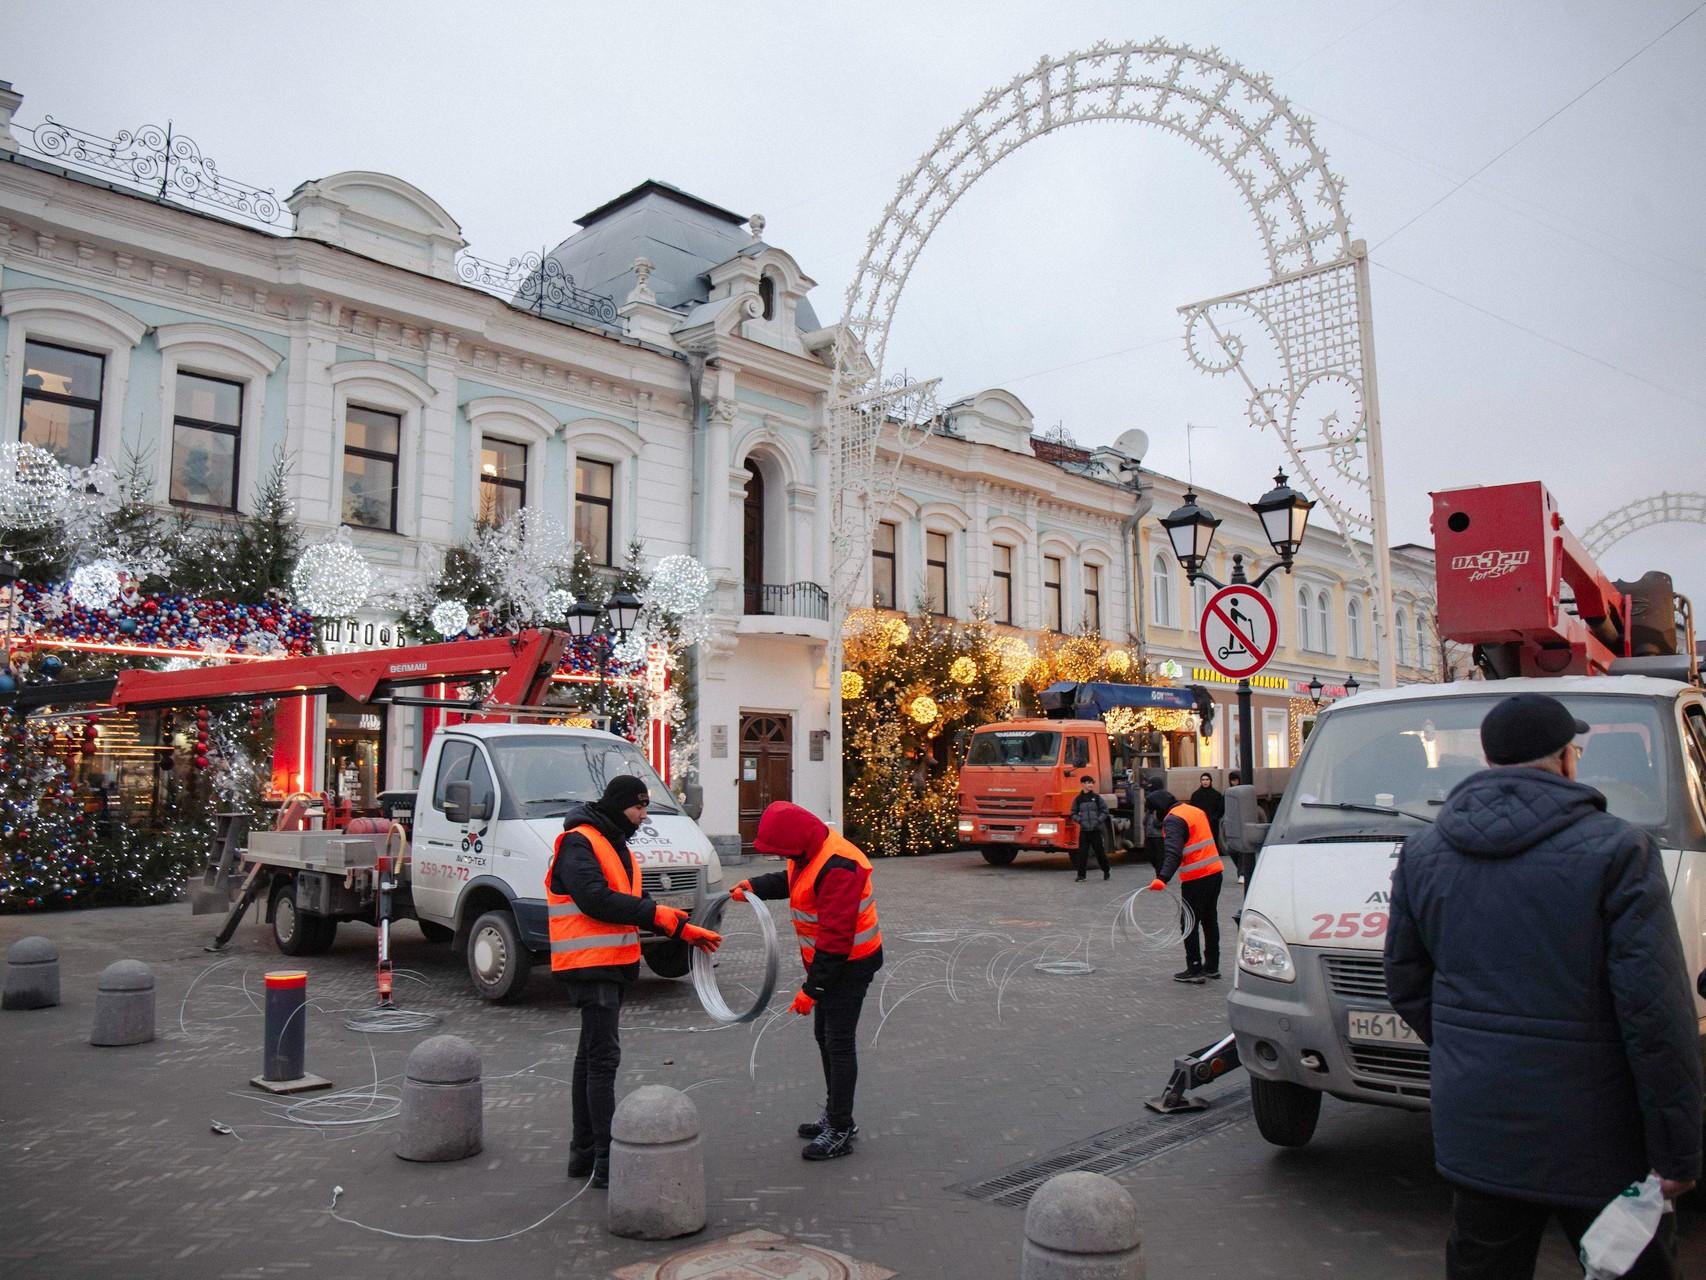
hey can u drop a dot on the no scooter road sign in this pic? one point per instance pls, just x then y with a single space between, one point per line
1238 631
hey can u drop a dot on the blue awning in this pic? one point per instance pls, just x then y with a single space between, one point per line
1099 698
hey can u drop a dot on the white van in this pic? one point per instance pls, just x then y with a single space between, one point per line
490 808
1308 1004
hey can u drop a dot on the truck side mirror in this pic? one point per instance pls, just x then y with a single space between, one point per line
693 800
458 798
1241 829
481 809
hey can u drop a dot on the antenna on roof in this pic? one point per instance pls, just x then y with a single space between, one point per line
1190 462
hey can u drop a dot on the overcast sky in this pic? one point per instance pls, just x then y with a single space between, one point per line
1547 320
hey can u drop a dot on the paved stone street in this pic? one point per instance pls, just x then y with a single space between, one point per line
109 1164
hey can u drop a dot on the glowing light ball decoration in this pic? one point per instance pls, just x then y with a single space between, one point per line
896 632
923 709
95 586
1078 658
1015 657
34 487
332 578
1118 662
449 618
852 686
678 585
558 602
963 670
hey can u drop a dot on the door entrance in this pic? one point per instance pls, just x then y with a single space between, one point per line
766 768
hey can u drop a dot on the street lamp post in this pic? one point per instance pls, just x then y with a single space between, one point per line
1284 513
610 623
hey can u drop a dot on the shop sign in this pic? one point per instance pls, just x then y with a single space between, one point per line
1208 675
1301 688
358 635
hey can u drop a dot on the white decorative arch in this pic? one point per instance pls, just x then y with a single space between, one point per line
1004 527
74 320
789 453
1660 508
1312 314
944 516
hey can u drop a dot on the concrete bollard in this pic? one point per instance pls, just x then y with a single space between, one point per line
657 1168
1082 1226
32 975
124 1004
442 1101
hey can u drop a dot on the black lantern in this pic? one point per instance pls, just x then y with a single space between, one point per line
582 619
1190 528
1351 686
624 610
1284 513
1315 687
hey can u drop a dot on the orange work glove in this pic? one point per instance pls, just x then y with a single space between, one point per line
704 939
802 1003
670 920
739 892
1155 886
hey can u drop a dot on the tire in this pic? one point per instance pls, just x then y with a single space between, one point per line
322 934
498 960
294 932
436 932
998 855
1286 1113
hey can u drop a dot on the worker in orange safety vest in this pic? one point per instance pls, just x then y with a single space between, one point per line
828 887
1188 848
595 911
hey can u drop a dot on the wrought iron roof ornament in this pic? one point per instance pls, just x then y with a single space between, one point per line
538 283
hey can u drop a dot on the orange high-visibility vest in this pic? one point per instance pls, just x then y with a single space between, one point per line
1201 857
577 940
802 899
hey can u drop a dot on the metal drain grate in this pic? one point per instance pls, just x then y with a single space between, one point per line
1111 1151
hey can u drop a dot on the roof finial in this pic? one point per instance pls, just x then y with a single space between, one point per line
756 222
642 290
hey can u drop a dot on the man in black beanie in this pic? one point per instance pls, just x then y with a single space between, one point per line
1533 948
595 912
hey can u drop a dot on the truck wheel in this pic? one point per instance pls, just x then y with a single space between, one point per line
998 855
498 960
669 959
322 932
293 931
1285 1113
436 932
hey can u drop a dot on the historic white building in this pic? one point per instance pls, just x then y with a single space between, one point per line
661 375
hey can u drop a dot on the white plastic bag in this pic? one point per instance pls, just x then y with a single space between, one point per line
1624 1227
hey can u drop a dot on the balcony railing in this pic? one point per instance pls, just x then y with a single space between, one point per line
796 600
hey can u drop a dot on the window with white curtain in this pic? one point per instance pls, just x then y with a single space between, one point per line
1323 623
1200 593
1305 625
1353 627
1161 579
1401 632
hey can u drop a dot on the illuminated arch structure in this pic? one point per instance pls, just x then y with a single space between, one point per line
1660 508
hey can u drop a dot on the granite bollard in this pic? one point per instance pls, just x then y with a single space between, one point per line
442 1101
1082 1226
32 975
124 1004
657 1168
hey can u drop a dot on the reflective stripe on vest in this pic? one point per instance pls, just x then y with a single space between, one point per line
1201 857
578 941
802 900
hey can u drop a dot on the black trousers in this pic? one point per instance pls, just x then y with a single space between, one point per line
835 1022
597 1058
1089 842
1497 1238
1202 896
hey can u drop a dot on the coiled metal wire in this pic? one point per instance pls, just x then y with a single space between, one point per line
704 972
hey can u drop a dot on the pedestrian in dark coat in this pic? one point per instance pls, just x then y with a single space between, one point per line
1211 802
1090 812
597 990
1532 946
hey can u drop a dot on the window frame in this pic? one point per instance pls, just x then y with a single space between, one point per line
1401 648
234 430
1054 614
78 321
372 455
593 500
1353 627
930 569
1305 599
1161 591
1323 621
1002 578
503 482
891 556
25 394
1092 596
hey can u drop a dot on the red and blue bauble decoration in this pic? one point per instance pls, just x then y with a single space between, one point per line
163 622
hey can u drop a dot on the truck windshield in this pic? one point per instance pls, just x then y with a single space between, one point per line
544 775
1409 755
1014 746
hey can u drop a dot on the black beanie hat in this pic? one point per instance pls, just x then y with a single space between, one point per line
1528 726
622 792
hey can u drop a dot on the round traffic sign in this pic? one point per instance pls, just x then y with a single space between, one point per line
1239 631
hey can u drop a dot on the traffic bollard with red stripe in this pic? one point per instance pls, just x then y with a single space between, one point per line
284 1047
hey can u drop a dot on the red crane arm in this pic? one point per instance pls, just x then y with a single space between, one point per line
524 664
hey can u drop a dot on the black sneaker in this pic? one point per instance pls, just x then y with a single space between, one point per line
601 1173
1107 875
580 1161
1213 974
1190 975
829 1144
812 1128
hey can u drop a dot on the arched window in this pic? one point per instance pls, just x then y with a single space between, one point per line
1323 624
767 294
1353 627
1421 639
1305 628
1200 592
1401 632
1162 577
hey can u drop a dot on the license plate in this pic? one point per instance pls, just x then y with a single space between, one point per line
1004 835
1379 1028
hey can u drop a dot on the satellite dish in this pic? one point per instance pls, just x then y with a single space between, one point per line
1133 443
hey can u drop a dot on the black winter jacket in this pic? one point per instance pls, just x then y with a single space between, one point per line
1532 946
1089 811
575 871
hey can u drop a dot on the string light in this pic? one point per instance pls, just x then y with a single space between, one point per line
963 670
852 685
332 578
678 585
924 709
1014 658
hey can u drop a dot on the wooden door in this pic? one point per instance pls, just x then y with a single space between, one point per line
766 768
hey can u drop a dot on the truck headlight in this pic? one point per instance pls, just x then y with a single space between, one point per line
1048 828
967 826
1262 951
